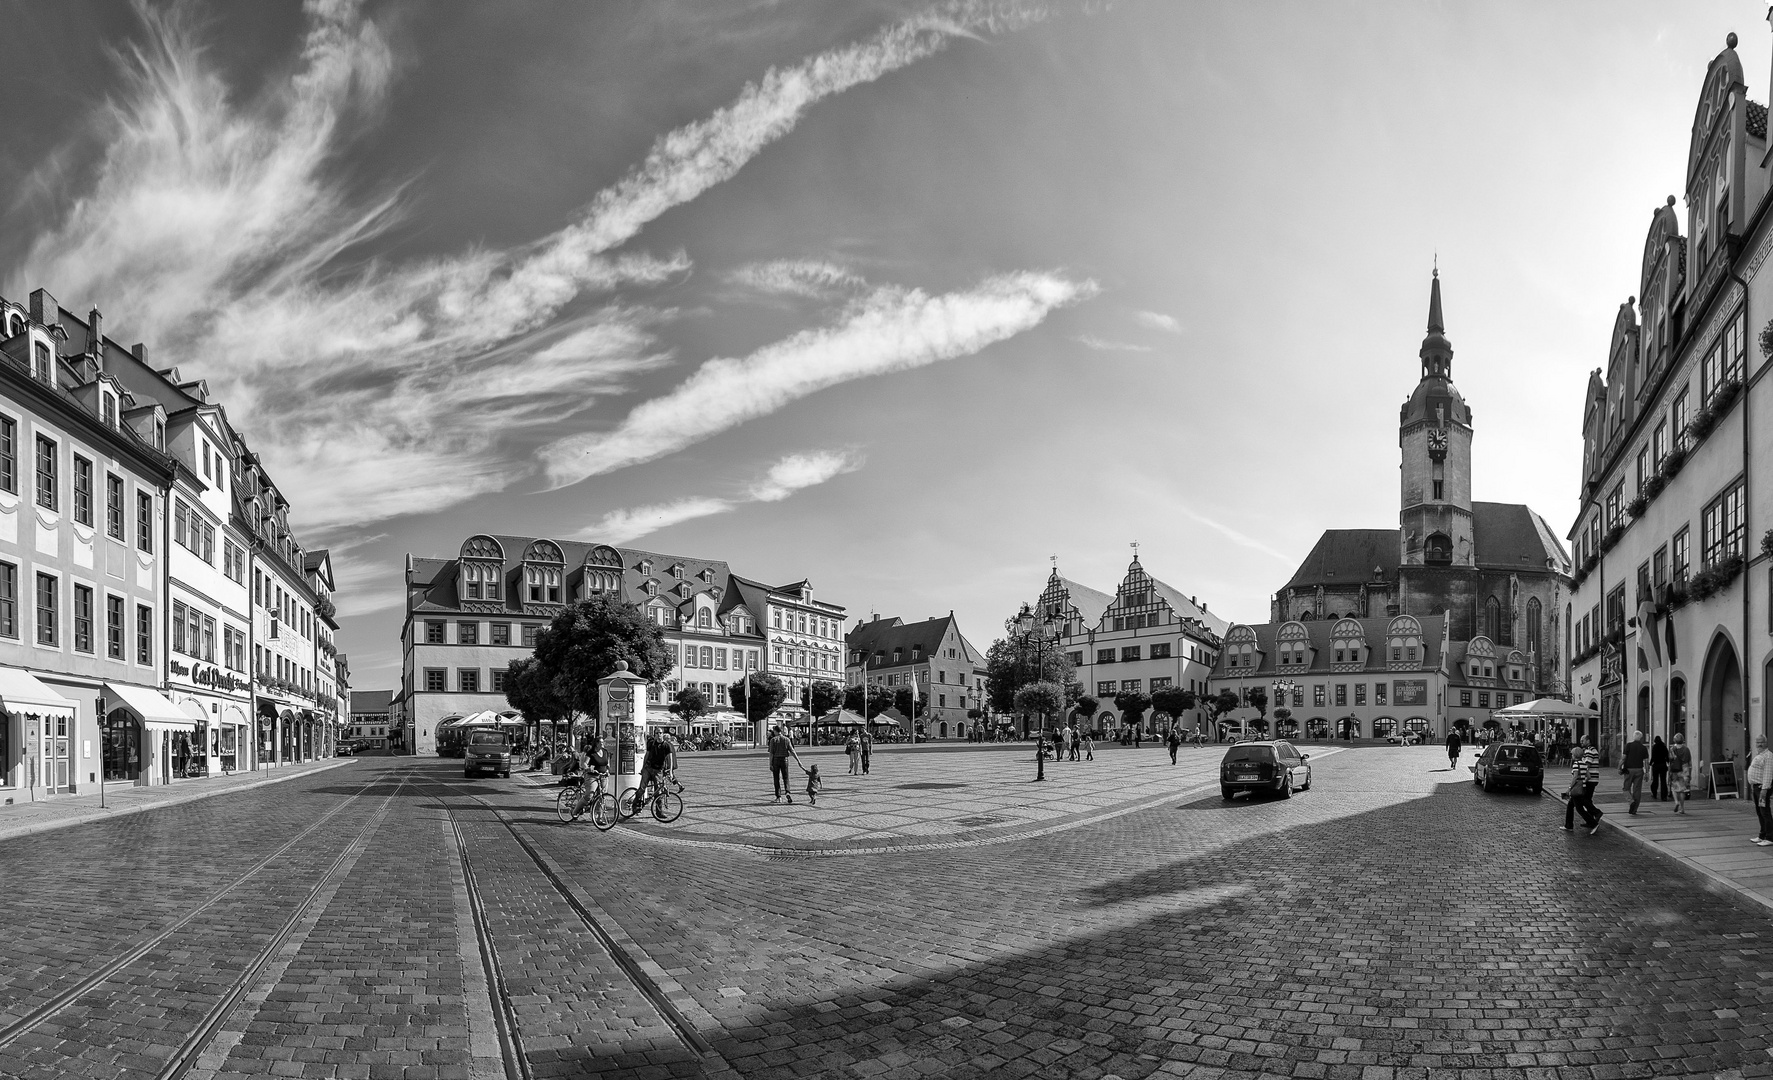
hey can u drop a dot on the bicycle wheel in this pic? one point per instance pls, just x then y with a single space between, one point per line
667 806
603 811
563 804
625 807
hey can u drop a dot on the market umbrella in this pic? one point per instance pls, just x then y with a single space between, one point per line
1544 708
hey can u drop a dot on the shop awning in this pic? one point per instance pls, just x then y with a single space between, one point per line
150 706
194 711
23 692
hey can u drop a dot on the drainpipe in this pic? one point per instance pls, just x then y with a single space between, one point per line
1747 506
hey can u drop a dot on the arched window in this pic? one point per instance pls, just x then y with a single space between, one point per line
1438 551
1493 620
705 618
1534 615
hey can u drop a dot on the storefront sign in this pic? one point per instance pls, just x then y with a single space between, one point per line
211 676
1409 692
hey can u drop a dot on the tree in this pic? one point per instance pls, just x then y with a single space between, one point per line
821 697
1086 707
1259 699
766 696
975 714
580 646
690 704
1013 662
1174 701
1225 702
1045 698
902 701
876 700
1132 705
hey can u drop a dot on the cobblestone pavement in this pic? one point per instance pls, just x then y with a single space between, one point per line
909 798
1391 923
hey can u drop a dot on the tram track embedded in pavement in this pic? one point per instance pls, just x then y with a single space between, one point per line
504 1010
12 1032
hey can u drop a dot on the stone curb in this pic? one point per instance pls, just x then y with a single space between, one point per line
271 776
1709 879
1063 825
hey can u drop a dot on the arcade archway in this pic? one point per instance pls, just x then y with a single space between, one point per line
1720 702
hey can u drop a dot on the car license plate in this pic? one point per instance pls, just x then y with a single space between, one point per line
1244 776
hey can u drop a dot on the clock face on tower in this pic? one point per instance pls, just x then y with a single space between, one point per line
1437 444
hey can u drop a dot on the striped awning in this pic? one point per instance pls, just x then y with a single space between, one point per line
23 692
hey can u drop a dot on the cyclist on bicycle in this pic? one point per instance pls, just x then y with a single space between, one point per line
661 756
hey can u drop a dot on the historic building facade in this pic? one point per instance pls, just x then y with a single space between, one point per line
1670 621
158 555
931 658
1146 636
468 617
1495 570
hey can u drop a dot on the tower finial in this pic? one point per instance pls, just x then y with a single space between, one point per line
1435 326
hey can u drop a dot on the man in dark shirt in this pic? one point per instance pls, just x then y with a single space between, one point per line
660 758
1637 755
780 751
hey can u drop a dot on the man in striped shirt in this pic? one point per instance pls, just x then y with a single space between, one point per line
1585 776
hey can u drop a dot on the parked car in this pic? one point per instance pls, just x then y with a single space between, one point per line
1408 738
1504 765
486 751
1275 766
344 749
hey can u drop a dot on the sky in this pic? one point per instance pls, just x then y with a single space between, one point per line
902 298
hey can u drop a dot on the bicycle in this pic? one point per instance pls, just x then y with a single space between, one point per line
575 799
666 804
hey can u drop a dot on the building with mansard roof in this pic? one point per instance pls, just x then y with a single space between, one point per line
1146 636
1495 570
1669 625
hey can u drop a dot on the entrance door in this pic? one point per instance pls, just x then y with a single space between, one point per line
55 754
1720 704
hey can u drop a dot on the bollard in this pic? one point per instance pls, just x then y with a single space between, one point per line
1040 760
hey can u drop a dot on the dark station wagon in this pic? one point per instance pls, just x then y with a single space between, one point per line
1505 765
1276 767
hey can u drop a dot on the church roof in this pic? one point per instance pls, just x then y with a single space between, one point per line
1318 633
1348 557
1511 536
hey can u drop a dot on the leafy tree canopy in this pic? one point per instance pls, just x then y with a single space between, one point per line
1132 705
1173 700
766 696
821 697
582 645
1046 698
1225 702
870 701
690 704
1013 662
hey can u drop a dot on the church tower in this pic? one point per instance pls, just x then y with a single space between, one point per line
1434 435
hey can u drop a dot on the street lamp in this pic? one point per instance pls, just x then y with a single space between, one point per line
1282 688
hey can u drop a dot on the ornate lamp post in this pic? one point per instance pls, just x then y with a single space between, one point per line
1282 688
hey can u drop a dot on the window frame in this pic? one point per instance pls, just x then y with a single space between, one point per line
47 463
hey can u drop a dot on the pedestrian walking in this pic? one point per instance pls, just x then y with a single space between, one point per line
1680 767
1454 745
853 750
780 751
867 750
1760 786
1089 747
1064 753
1659 770
1073 740
1175 743
1138 737
1585 776
1637 755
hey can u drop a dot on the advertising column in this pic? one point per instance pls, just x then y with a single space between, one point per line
616 697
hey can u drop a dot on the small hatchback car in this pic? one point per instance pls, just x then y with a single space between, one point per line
1509 765
487 751
1276 767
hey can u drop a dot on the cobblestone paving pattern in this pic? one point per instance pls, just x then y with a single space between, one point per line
1393 923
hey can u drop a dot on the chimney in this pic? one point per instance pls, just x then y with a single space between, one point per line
44 310
140 352
95 338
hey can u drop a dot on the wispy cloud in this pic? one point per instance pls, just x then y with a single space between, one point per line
812 278
795 472
621 526
890 330
214 232
1090 341
1243 539
1156 320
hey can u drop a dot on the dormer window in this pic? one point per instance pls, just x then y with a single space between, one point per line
544 584
646 566
651 588
108 409
42 363
705 619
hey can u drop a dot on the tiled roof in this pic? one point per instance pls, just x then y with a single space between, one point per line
1323 658
1089 603
1188 609
1757 119
1348 557
1511 536
886 635
439 576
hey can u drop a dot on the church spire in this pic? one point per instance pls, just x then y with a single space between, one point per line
1435 326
